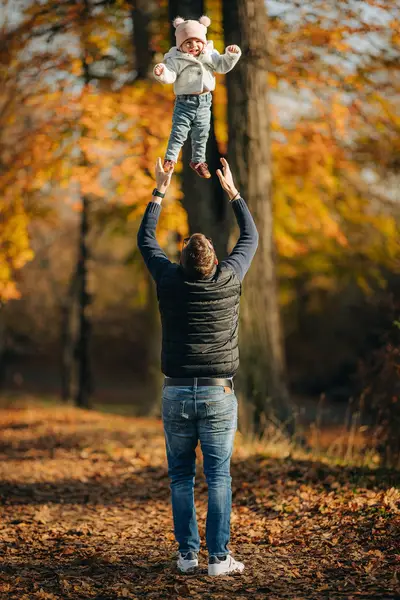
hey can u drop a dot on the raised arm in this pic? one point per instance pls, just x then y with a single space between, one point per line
166 73
242 254
223 63
155 258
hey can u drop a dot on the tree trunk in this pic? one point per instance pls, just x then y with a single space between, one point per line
84 383
141 17
141 14
2 346
203 200
81 353
262 355
187 9
69 330
153 377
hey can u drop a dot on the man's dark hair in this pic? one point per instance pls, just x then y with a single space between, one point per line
198 257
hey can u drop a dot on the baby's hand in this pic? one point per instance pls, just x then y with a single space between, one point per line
158 69
234 49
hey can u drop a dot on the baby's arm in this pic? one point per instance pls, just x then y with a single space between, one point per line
223 63
165 73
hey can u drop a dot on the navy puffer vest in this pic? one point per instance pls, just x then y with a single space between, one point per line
200 321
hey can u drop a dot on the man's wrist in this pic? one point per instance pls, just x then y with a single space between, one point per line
234 194
161 188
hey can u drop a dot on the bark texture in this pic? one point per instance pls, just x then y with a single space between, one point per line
262 356
84 382
69 328
141 13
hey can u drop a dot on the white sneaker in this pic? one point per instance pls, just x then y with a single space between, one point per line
187 563
218 566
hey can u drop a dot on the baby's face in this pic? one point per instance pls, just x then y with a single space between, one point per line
192 46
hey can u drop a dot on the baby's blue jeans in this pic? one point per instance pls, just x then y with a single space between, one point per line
192 114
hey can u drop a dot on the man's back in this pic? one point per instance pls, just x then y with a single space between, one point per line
199 323
199 316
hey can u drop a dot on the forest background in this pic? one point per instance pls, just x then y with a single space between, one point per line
81 125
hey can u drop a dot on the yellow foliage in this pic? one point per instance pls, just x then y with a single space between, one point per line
107 142
322 224
14 246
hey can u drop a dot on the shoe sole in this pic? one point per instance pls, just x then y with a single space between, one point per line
224 572
189 571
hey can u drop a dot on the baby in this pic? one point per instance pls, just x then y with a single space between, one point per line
190 66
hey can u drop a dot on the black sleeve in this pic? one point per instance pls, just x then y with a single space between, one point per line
242 254
155 258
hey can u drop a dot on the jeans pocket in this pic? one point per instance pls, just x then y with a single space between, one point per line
222 412
170 407
175 408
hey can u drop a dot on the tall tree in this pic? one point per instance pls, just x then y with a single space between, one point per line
2 345
262 354
67 340
141 12
203 199
82 345
82 352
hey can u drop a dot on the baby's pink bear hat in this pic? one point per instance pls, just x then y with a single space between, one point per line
191 29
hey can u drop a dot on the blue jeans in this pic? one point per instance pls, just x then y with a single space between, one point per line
208 414
192 114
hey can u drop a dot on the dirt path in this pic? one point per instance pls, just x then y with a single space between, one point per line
85 513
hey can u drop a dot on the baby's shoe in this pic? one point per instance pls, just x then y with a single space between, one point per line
201 169
168 165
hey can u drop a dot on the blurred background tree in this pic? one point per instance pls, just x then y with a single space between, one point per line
249 150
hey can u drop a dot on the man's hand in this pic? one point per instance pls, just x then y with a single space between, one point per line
159 69
235 49
226 180
162 179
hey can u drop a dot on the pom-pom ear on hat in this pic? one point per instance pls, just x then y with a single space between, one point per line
178 21
206 21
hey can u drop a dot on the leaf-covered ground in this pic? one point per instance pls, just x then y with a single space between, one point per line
85 513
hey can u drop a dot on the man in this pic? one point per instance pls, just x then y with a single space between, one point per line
199 306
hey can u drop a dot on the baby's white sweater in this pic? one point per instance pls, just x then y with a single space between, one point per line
195 74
